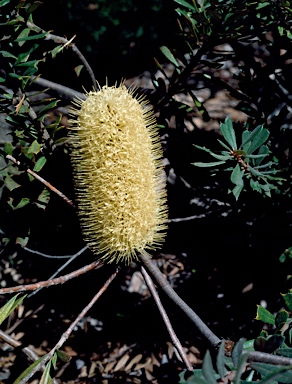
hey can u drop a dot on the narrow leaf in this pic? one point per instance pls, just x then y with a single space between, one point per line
237 352
10 183
208 370
63 356
185 4
219 157
167 53
9 307
220 360
228 133
46 378
258 140
7 54
198 164
28 370
32 37
237 190
248 136
78 69
39 164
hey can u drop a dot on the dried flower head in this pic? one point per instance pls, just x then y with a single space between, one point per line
117 168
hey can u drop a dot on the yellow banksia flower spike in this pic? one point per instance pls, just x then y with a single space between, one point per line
118 174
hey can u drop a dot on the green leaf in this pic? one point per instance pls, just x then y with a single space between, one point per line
263 151
220 360
32 37
169 55
281 318
10 183
34 148
264 315
43 199
22 241
208 370
39 164
224 145
4 2
269 372
237 190
23 202
273 342
63 356
46 378
236 175
255 185
288 300
287 352
237 352
78 69
258 140
228 133
23 35
28 370
185 4
9 307
7 54
56 50
8 148
219 157
54 360
49 106
248 136
198 164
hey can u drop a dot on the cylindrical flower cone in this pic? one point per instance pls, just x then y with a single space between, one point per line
118 174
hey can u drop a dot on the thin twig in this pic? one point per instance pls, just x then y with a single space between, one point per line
166 320
67 92
73 257
161 280
48 283
28 351
55 256
67 333
47 184
67 43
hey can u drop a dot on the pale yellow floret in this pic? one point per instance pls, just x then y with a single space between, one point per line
116 157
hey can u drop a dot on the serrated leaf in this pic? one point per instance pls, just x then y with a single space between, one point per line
46 378
288 300
78 69
34 148
212 164
43 199
10 183
264 315
208 369
28 370
220 360
228 133
167 53
39 164
236 175
258 140
22 241
9 307
23 202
